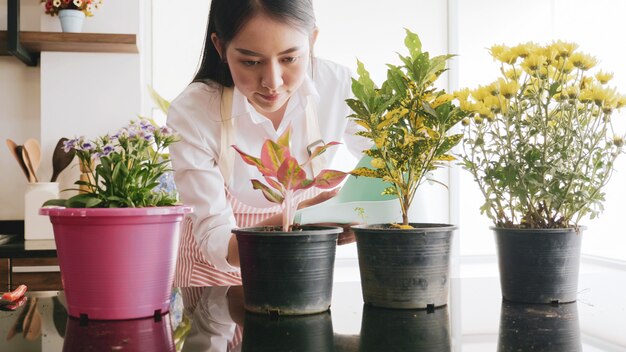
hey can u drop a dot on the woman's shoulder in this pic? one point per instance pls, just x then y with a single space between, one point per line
330 71
198 93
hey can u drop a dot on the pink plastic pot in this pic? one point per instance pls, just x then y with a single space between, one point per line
145 334
117 263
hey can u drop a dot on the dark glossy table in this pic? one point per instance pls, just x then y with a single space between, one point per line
207 319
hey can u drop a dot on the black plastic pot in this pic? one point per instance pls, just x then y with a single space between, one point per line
401 330
538 265
304 333
404 268
539 327
287 273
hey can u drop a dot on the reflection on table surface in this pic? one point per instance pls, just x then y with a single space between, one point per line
213 319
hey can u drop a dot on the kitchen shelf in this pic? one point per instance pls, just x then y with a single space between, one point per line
36 42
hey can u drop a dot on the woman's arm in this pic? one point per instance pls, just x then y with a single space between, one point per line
197 176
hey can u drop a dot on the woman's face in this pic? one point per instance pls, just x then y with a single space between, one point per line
268 61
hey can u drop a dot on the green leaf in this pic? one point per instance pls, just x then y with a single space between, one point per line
55 202
290 174
283 140
358 107
319 150
273 155
413 43
267 192
250 160
329 178
396 79
368 86
162 103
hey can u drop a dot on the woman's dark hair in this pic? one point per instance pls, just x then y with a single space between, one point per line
227 17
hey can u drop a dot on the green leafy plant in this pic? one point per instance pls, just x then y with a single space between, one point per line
285 177
124 170
408 119
541 145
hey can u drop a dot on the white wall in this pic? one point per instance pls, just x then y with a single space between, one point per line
67 95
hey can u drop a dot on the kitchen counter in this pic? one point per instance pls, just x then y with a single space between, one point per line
213 319
16 247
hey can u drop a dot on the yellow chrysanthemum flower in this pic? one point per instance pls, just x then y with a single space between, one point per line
583 61
477 119
621 102
513 74
481 93
561 96
493 88
572 92
465 122
508 88
503 54
604 77
462 94
466 105
497 50
550 52
523 50
602 96
567 66
564 49
533 62
586 82
586 95
483 111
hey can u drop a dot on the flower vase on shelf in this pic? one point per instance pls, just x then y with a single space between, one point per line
71 20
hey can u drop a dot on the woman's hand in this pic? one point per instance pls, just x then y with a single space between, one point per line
320 198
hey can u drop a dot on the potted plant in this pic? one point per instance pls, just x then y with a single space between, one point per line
405 265
117 240
71 12
288 269
541 147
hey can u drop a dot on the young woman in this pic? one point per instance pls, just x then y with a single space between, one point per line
257 78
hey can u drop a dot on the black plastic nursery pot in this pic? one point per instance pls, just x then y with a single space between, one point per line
404 268
384 329
538 265
302 333
287 273
539 327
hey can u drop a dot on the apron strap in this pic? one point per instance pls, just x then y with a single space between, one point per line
227 153
313 135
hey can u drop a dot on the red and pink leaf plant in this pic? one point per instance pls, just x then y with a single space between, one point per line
286 177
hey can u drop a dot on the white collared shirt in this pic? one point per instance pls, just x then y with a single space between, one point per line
195 116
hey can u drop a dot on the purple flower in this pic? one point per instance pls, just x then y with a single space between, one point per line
107 149
69 144
165 131
86 146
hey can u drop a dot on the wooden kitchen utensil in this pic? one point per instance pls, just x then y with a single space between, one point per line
17 155
26 159
34 154
60 159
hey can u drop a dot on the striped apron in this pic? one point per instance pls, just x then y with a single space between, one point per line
192 268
